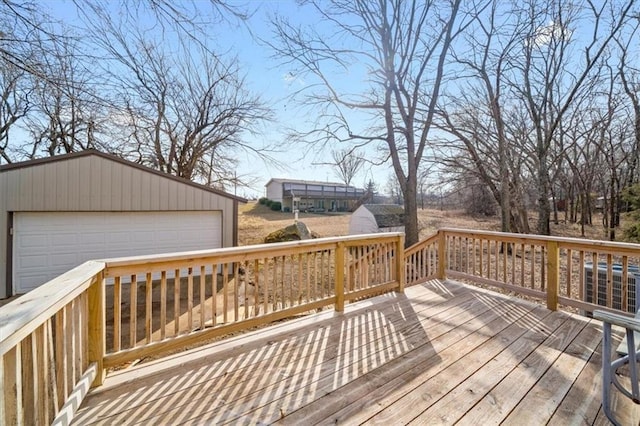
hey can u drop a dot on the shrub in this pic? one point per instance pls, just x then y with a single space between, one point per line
263 200
276 205
268 203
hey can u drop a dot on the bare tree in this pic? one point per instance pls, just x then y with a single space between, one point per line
24 28
347 163
67 112
401 48
14 104
176 105
549 78
629 76
525 58
184 110
181 114
19 60
484 53
393 189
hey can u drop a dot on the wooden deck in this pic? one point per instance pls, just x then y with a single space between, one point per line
441 353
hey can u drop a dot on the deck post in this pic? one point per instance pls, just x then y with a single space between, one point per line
339 286
553 271
442 248
96 326
400 265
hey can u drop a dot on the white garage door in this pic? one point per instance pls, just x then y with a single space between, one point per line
47 244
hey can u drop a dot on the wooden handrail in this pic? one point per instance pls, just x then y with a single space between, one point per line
21 317
563 242
50 343
57 332
420 244
68 313
267 265
236 253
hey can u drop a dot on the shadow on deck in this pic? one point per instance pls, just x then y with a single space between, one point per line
440 353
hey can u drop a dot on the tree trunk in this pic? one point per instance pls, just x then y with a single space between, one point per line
544 211
410 211
583 212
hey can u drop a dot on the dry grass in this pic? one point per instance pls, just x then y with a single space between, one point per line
256 221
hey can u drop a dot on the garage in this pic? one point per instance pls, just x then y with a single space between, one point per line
62 211
46 245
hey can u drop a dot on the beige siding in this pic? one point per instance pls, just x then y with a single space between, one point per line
274 191
97 184
94 183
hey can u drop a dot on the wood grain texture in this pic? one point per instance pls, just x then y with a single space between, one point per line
22 316
96 326
439 352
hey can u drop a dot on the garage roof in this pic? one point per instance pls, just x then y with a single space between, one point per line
93 152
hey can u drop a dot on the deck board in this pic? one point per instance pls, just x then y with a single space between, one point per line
513 385
440 353
581 404
476 371
394 379
553 386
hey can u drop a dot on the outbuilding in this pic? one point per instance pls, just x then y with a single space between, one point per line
313 196
58 212
372 218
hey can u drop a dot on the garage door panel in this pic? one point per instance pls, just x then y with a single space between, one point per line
30 241
91 239
33 262
143 235
117 238
63 239
46 245
167 236
64 259
31 281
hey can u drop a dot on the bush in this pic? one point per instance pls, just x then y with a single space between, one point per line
263 200
479 200
276 205
268 203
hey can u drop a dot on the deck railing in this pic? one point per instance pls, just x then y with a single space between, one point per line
50 343
57 341
581 274
421 260
179 299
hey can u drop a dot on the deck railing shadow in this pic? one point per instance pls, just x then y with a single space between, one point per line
301 363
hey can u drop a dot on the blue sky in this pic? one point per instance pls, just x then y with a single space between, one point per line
273 83
276 83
